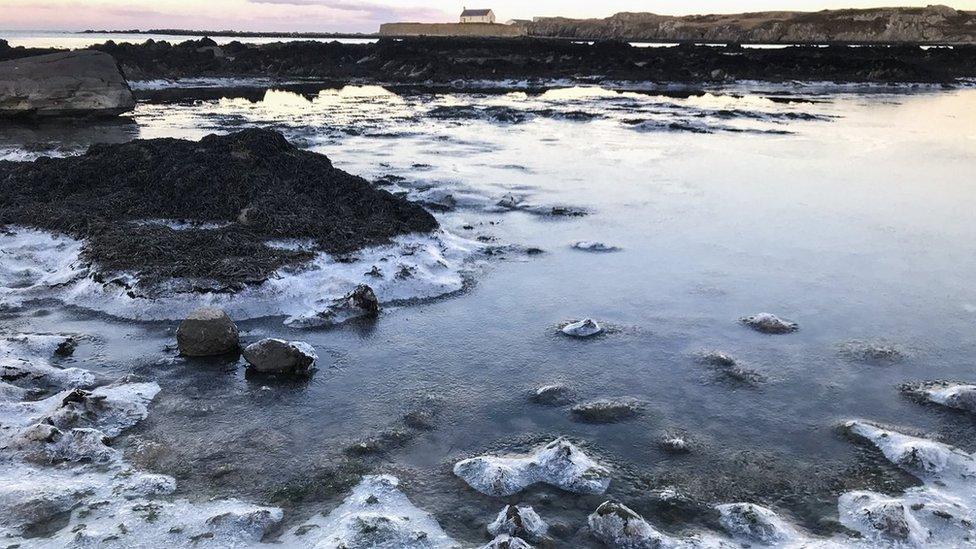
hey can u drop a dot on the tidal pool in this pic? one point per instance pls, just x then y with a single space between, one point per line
848 211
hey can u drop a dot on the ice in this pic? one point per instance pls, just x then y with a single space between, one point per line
376 515
559 463
414 266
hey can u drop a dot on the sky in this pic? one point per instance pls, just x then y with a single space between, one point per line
358 15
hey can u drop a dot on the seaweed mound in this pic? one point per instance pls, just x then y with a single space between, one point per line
203 212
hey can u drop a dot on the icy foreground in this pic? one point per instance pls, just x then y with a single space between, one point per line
60 473
37 264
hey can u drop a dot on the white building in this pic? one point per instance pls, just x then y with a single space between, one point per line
477 16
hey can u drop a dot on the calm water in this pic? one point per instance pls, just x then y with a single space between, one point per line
850 213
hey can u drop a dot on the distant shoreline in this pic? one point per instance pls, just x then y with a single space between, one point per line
236 34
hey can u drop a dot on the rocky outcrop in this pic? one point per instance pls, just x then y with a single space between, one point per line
277 356
932 24
77 83
207 331
169 215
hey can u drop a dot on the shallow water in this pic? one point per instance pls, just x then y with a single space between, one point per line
851 214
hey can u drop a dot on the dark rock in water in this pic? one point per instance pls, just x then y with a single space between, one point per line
506 541
872 352
66 348
674 444
207 331
75 83
769 324
609 410
730 368
552 395
282 192
276 356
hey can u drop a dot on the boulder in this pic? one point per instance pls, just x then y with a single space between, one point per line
755 524
277 356
73 83
207 331
584 328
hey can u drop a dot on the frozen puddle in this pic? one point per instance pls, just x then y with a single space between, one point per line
36 264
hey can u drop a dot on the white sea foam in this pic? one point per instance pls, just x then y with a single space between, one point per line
415 266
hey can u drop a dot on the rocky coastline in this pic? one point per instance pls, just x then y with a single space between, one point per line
449 60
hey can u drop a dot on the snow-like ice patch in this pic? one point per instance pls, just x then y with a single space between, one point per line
37 265
376 515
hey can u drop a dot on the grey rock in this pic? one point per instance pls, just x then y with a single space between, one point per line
277 356
552 395
74 83
768 323
207 331
608 410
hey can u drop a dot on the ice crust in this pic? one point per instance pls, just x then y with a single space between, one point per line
36 264
559 463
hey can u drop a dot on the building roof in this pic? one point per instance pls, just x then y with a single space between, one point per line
475 13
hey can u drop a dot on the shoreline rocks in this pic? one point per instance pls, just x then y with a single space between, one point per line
359 303
64 84
446 60
277 356
207 331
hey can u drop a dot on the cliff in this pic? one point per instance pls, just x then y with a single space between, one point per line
932 24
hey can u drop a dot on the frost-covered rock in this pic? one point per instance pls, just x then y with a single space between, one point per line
618 526
954 395
938 514
674 444
926 459
552 395
607 410
509 202
768 323
558 463
755 524
277 356
583 328
376 515
592 246
506 541
361 302
921 517
207 331
520 521
46 444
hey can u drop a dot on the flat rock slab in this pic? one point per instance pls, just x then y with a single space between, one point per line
74 83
